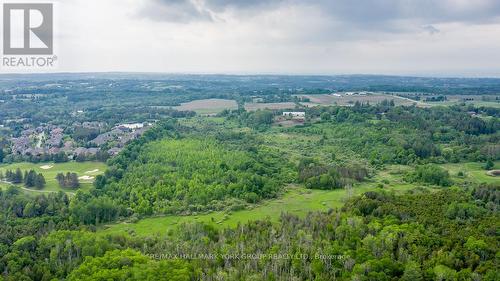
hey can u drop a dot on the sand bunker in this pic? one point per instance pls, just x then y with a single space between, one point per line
46 167
91 172
493 173
85 178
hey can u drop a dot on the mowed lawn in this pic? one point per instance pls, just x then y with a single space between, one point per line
296 200
88 170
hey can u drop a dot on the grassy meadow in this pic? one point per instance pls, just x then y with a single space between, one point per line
472 172
296 200
299 201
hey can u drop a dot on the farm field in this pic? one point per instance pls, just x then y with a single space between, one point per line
454 100
252 106
86 172
347 100
208 106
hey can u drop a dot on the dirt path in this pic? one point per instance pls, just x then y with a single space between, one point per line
34 190
419 103
44 191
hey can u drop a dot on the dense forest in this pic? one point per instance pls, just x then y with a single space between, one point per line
445 235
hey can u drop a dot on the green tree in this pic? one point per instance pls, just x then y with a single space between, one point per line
444 273
17 176
130 265
261 117
489 165
61 179
39 181
325 116
431 174
70 180
29 210
73 180
30 178
412 272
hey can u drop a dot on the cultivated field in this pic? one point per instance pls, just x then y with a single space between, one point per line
208 106
349 100
86 172
476 100
252 106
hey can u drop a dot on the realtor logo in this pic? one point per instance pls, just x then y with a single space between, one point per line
28 29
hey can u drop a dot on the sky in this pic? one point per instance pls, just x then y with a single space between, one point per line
396 37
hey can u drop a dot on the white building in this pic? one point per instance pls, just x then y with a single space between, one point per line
295 114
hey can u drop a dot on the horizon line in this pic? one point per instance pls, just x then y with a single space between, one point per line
438 76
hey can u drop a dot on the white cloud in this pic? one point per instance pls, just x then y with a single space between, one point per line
329 37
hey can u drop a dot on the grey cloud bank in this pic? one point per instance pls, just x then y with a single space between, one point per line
358 12
406 37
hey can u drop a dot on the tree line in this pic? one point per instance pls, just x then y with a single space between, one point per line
30 178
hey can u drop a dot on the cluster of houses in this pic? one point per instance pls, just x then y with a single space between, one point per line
50 140
120 135
38 141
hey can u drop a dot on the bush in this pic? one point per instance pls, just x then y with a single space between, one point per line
431 174
489 165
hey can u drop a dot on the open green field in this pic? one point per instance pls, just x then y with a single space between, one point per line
296 200
86 172
472 172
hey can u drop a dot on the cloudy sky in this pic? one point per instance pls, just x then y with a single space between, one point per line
405 37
